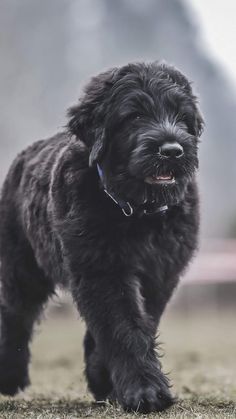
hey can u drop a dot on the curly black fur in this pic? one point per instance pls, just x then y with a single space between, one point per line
57 226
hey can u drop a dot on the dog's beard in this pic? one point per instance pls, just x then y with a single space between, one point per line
136 190
134 175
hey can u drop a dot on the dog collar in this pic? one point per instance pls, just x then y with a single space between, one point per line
148 207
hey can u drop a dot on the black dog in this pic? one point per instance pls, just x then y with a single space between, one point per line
110 209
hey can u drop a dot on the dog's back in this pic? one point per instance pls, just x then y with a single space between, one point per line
24 215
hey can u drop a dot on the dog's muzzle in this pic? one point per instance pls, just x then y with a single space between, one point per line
147 207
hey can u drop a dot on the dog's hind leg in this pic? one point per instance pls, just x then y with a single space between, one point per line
98 377
24 289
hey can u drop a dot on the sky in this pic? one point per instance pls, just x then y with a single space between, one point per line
217 21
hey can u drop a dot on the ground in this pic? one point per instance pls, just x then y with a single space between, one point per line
200 355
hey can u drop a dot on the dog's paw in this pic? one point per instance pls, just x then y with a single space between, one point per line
11 384
13 373
146 397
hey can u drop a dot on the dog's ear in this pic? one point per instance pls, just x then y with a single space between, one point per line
199 123
98 148
90 113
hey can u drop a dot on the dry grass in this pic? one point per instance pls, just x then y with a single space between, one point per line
200 355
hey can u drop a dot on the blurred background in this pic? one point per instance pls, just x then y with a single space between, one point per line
50 49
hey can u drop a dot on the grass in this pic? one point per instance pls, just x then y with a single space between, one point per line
200 356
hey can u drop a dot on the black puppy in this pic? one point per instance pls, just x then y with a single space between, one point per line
108 208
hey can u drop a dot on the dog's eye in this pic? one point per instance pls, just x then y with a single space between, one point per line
134 116
130 118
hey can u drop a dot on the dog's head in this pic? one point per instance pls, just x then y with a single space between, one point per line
142 125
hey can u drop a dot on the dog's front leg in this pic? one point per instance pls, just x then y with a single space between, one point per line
124 334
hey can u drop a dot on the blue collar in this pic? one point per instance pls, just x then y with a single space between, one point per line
148 207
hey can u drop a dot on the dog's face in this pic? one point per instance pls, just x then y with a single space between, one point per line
142 125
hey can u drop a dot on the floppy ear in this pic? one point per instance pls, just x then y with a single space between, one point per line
90 113
199 123
98 149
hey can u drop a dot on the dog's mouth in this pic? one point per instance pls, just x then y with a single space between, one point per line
166 179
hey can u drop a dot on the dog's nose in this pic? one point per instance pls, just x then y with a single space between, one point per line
174 150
